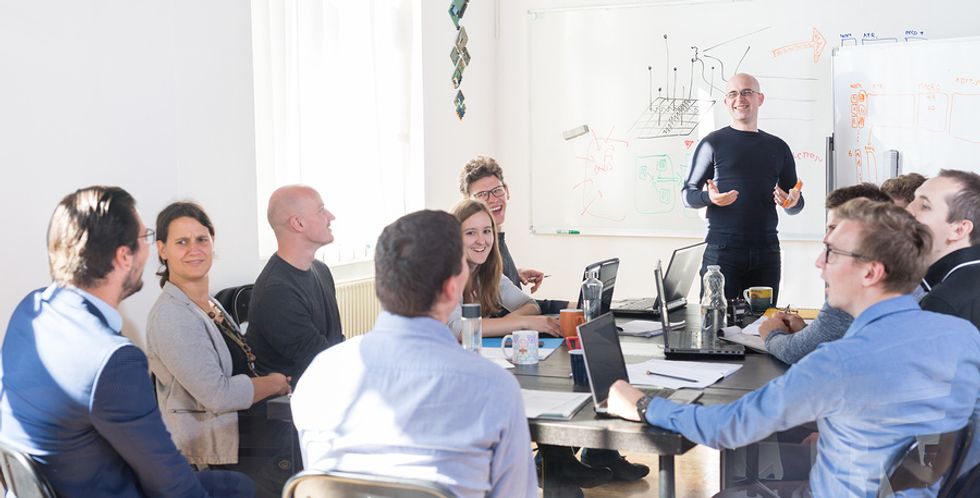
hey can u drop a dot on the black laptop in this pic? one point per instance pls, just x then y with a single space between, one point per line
690 343
604 362
682 271
608 269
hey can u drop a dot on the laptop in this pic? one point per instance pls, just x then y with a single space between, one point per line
690 343
608 269
604 362
682 271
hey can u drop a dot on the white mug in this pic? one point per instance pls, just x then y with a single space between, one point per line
524 346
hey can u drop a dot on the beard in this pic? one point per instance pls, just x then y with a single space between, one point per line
133 283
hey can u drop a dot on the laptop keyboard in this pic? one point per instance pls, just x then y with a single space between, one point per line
636 304
656 393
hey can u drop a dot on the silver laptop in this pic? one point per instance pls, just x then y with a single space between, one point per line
604 362
684 266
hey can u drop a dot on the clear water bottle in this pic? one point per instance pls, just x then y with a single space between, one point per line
592 295
472 334
713 304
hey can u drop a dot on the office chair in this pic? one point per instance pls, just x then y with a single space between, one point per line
21 477
236 300
927 460
321 484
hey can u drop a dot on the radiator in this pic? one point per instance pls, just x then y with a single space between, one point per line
359 307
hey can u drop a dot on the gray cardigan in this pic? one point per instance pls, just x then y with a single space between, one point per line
198 396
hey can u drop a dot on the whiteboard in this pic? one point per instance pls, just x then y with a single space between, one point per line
612 68
921 99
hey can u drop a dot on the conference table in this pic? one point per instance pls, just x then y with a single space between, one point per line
589 430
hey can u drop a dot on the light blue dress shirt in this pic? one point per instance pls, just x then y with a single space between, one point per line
406 400
898 372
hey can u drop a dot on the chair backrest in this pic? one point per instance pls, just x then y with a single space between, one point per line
322 484
236 301
21 477
927 460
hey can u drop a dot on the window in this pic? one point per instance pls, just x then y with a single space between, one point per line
334 88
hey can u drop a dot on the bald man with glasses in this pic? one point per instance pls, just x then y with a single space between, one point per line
741 174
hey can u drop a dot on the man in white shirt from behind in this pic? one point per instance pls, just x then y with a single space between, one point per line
405 399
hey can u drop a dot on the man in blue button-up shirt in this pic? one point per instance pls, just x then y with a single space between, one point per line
898 372
406 400
75 395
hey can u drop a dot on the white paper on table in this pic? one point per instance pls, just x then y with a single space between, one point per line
494 354
738 336
645 328
642 348
552 404
703 374
502 362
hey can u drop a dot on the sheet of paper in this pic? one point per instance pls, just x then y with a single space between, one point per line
642 348
552 404
502 363
642 328
497 354
678 374
738 336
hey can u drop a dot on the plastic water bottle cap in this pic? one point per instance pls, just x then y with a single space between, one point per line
471 310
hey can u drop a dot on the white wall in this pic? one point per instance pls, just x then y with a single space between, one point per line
449 142
155 97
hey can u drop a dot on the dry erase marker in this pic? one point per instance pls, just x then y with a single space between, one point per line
567 232
797 187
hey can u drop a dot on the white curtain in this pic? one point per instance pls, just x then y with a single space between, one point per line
334 81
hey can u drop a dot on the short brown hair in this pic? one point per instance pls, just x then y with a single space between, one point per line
414 257
965 204
903 187
866 190
479 167
891 236
86 228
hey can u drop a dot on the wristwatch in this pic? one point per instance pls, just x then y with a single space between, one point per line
641 407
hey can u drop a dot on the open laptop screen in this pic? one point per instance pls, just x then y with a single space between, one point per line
608 270
604 362
658 278
685 263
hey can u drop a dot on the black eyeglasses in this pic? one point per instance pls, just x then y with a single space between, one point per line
497 192
830 250
745 92
149 236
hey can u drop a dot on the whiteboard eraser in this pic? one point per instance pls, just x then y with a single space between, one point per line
576 132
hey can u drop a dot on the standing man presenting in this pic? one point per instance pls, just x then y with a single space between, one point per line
748 172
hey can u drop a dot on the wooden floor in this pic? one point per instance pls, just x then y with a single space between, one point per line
696 476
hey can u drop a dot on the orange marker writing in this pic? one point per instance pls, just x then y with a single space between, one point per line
797 187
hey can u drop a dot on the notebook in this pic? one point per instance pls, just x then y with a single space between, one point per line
604 362
689 343
682 271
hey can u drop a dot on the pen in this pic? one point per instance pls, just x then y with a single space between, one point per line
675 377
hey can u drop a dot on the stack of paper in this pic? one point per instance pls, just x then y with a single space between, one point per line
678 374
552 404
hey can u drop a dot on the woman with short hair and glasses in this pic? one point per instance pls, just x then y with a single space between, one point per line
209 393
